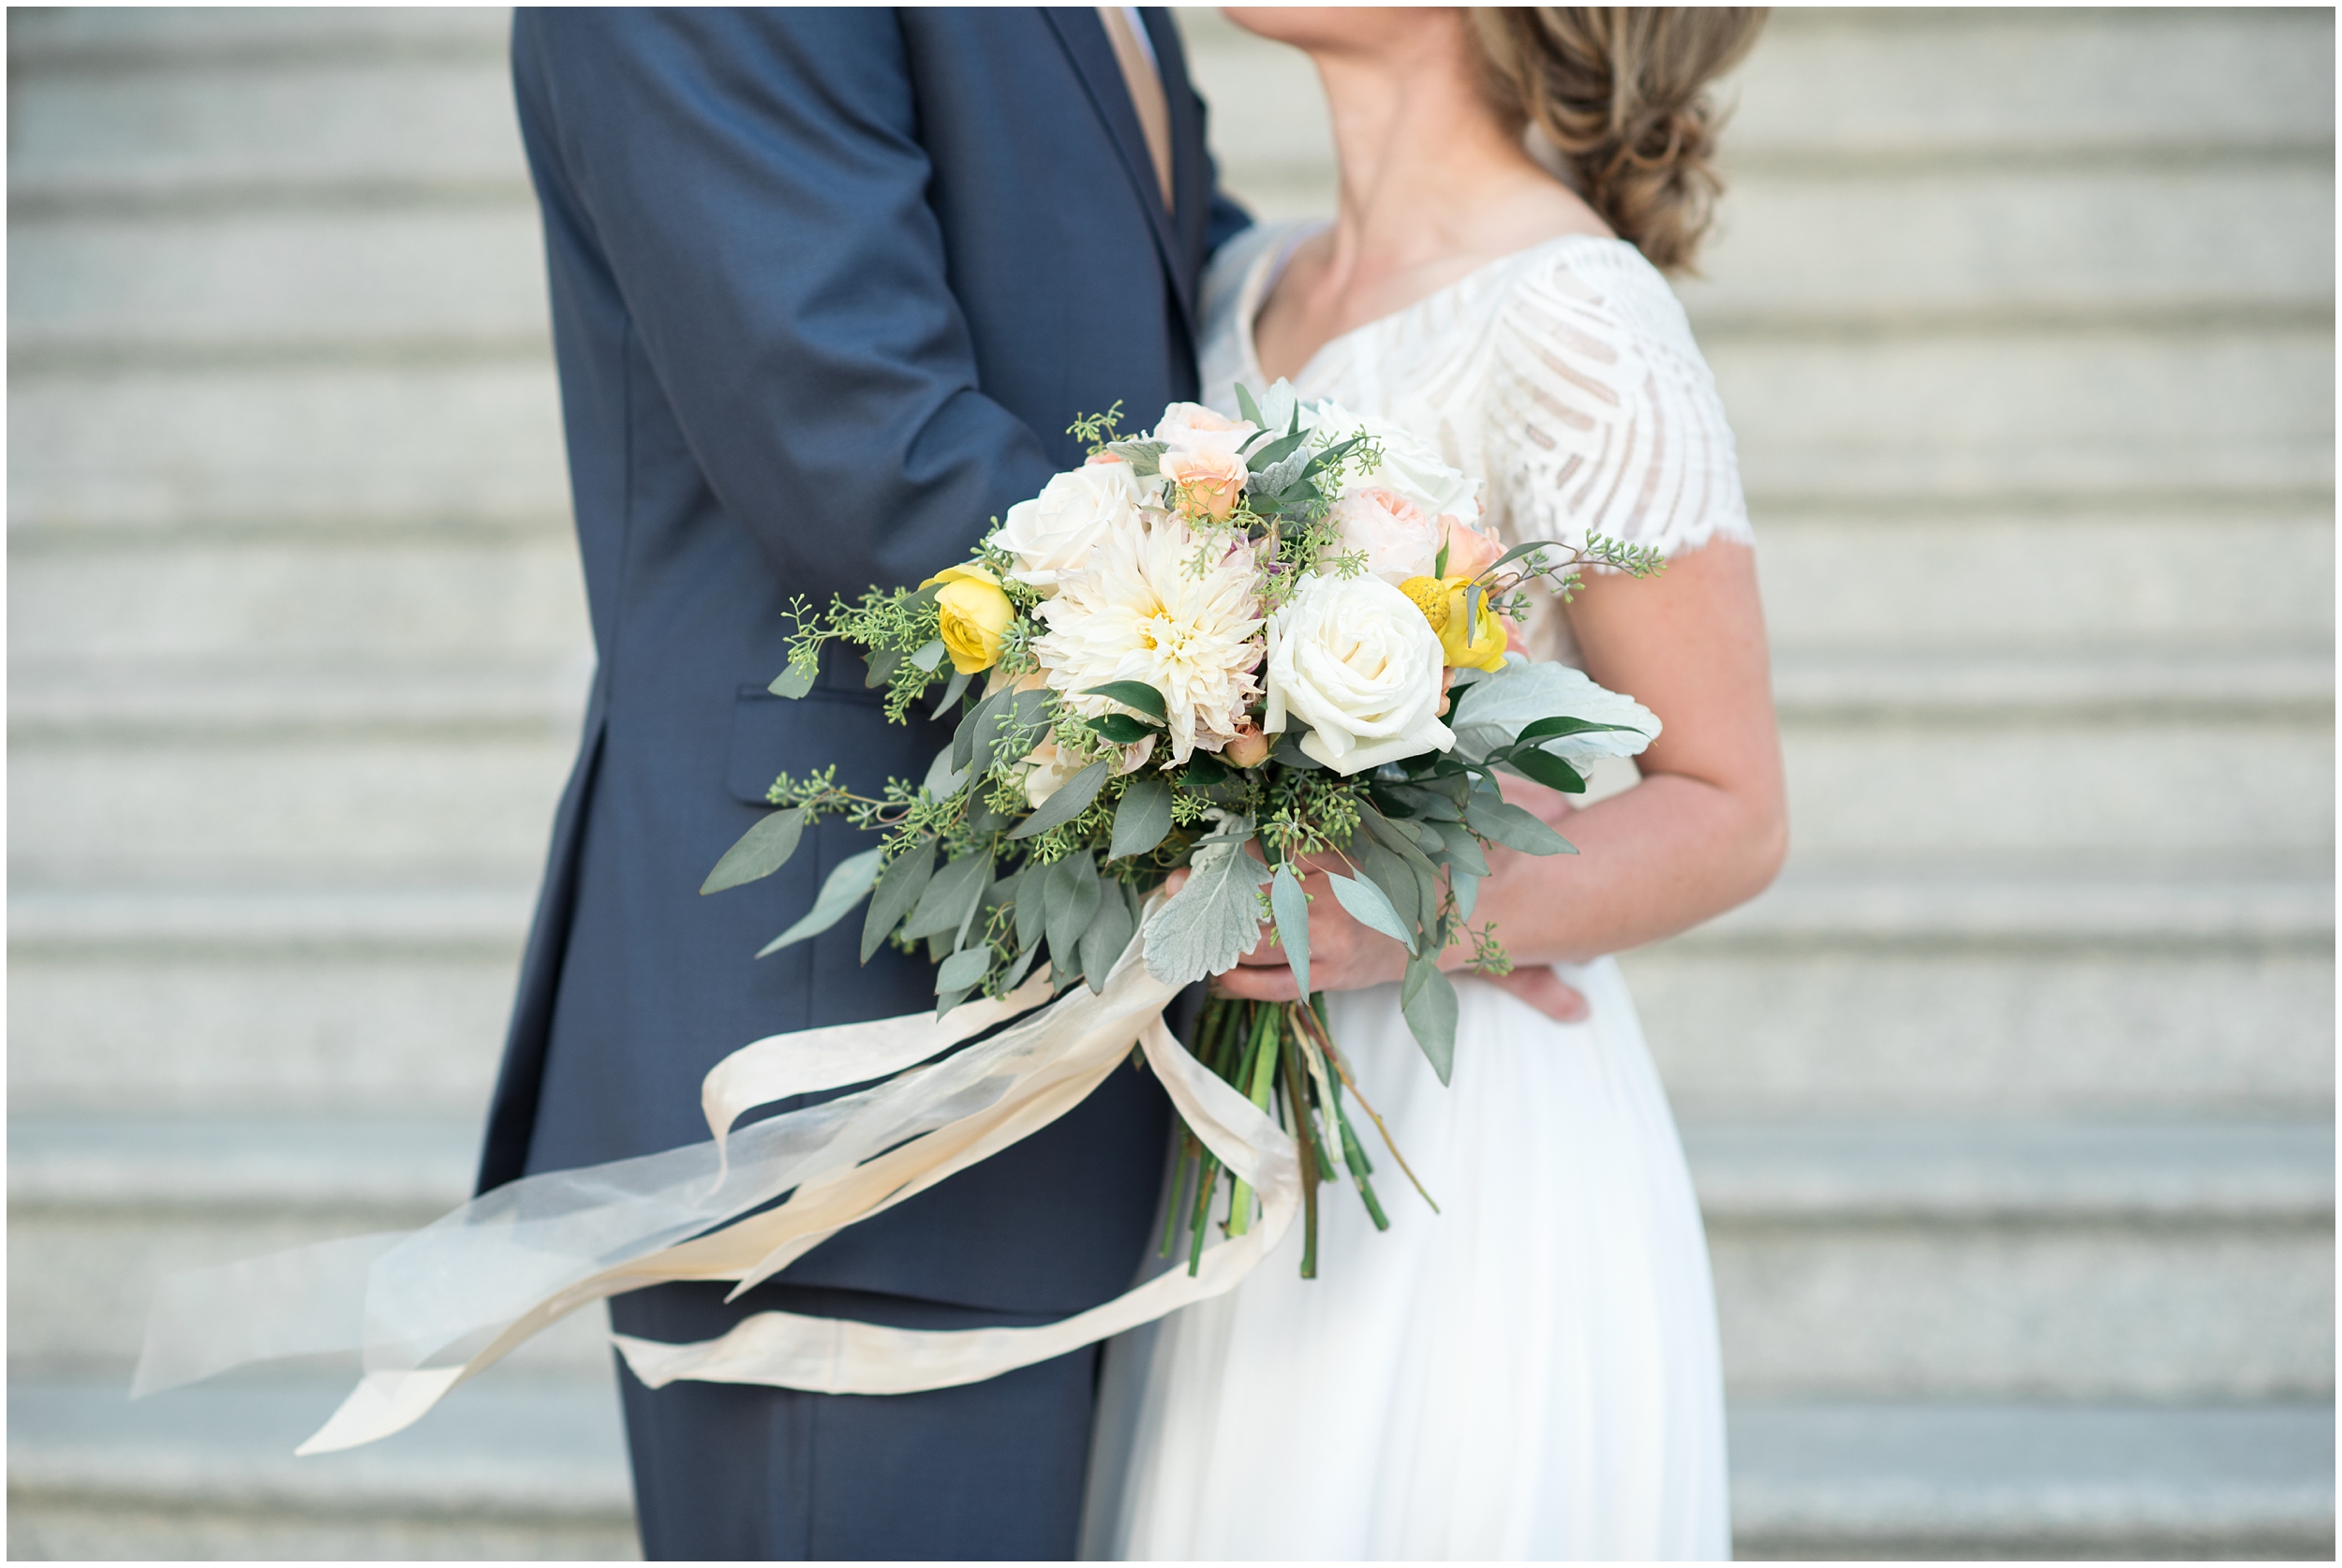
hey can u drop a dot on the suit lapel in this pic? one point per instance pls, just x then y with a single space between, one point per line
1084 39
1190 163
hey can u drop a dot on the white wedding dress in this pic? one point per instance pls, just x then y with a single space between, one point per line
1532 1372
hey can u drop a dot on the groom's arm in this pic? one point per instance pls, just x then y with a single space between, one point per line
754 185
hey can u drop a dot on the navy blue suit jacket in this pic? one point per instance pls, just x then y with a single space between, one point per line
827 287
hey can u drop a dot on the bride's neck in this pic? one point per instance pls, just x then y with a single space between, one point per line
1423 160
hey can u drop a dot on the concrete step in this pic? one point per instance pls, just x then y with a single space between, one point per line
1925 1258
1842 995
1871 1256
387 809
1864 90
507 1471
1826 249
1881 84
102 1209
2173 575
510 1467
159 110
466 442
264 611
95 608
1962 413
1884 773
1996 245
110 699
1996 1480
233 285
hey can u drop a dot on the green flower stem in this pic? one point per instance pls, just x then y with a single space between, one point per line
1294 1097
1261 1064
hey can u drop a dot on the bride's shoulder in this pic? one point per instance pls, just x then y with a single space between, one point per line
1585 297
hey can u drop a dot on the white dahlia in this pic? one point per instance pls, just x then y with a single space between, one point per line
1141 610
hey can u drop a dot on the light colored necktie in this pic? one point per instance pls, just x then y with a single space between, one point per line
1147 96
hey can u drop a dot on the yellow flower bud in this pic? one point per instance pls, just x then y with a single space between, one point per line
971 614
1443 601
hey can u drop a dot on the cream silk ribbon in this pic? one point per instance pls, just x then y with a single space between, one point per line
429 1309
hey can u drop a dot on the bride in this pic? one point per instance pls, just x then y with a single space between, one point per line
1532 1372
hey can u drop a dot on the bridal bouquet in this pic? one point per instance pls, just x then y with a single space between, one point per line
1233 653
1243 649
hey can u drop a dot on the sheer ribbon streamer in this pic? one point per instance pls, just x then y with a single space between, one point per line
429 1309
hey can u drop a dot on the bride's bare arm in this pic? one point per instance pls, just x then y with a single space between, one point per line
1705 830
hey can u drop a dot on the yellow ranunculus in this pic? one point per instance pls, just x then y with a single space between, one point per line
972 613
1443 601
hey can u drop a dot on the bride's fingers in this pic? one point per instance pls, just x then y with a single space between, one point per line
1542 989
1257 982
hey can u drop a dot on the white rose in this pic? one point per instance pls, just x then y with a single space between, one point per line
1052 534
1408 466
1356 661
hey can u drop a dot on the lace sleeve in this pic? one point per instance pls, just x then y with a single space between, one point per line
1603 418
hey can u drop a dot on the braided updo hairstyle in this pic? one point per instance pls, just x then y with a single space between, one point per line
1621 92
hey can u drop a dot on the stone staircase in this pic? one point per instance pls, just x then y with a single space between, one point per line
2011 1107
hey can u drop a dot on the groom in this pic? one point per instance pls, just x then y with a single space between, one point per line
827 287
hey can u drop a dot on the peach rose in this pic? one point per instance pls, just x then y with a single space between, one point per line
1192 428
1470 551
1206 482
1397 537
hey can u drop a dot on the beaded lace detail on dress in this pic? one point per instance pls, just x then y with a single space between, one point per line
1563 376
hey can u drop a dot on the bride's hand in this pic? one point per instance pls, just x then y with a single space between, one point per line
1345 955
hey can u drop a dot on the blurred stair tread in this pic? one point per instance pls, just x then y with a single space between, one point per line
2030 1475
534 1448
1901 1473
1870 1169
213 696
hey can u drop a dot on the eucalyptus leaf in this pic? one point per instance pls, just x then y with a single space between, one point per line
963 970
979 719
762 850
1369 907
897 892
1032 903
1502 823
1395 879
943 781
1024 963
1215 919
791 682
1466 887
1431 1013
1141 819
1292 908
879 665
1074 894
1289 754
1103 940
840 893
952 895
952 693
1246 407
1464 855
1071 799
929 655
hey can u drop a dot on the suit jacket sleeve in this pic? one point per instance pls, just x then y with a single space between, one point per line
755 186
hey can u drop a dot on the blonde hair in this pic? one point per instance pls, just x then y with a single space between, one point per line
1621 92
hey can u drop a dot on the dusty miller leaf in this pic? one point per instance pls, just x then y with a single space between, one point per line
1215 919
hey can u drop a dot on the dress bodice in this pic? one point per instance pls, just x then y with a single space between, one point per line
1564 376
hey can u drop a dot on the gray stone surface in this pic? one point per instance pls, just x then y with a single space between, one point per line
1891 1479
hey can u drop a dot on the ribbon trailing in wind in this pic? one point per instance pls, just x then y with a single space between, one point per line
428 1309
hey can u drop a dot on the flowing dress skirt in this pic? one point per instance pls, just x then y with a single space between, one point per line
1531 1372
